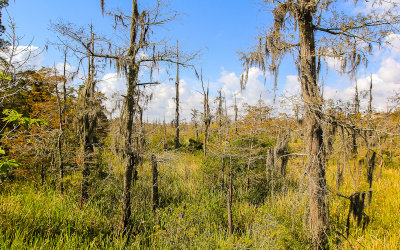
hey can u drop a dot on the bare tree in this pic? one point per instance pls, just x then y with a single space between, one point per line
220 112
230 197
154 173
195 113
236 109
347 37
61 120
140 53
369 111
206 113
88 120
177 144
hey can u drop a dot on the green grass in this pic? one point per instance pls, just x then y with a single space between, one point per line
192 214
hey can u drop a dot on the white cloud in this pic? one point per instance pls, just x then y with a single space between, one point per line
23 57
112 86
385 82
381 6
68 68
393 43
292 85
163 102
253 91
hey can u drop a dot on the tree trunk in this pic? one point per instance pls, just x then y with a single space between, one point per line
42 174
280 153
236 116
129 150
370 98
88 125
205 140
249 165
60 161
318 203
154 173
229 205
177 144
59 142
130 155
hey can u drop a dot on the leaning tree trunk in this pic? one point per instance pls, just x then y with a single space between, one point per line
318 204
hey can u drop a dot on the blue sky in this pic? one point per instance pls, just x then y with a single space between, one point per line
220 28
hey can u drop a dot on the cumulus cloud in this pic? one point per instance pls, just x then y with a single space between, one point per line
381 7
112 86
253 91
385 82
292 85
23 57
68 68
162 104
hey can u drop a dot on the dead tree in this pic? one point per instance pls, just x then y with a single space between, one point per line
236 109
129 61
90 110
370 98
177 143
194 121
220 112
277 157
154 173
345 36
60 136
230 195
206 114
249 162
281 152
356 112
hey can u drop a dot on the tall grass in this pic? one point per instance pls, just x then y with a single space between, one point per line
192 213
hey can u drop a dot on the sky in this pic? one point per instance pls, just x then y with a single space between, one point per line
219 28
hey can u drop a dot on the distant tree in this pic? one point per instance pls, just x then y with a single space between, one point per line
195 114
206 115
36 148
177 143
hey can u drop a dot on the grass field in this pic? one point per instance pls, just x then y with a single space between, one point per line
193 213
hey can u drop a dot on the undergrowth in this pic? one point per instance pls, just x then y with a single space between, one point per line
192 213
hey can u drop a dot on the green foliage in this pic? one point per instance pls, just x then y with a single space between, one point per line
391 159
15 118
169 144
5 165
2 76
195 145
212 170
